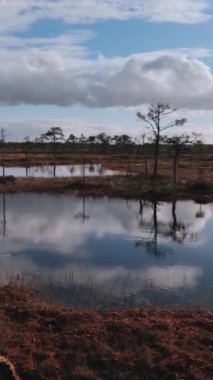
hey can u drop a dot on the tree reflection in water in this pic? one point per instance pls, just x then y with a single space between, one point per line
178 231
71 169
91 168
3 221
82 215
200 213
151 244
47 170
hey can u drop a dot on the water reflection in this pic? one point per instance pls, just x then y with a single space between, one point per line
200 213
151 245
48 171
3 221
177 230
82 215
149 251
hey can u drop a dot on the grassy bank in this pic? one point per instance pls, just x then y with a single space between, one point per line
131 187
47 342
195 176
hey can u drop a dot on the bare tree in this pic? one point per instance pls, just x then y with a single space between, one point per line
154 121
3 223
27 144
145 154
178 144
2 140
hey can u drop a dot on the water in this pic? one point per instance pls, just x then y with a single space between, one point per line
89 170
106 253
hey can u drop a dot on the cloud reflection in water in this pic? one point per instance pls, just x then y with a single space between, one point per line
50 240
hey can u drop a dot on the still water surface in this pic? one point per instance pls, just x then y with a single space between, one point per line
60 171
106 253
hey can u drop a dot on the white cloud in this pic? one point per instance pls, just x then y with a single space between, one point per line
69 44
20 14
59 71
181 11
186 82
52 74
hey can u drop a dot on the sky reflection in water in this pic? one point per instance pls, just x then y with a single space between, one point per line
49 171
129 248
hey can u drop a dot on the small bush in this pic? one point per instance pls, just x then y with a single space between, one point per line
200 188
7 178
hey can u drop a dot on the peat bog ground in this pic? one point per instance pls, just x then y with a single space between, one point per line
46 342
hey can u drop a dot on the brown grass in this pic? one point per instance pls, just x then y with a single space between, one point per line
47 342
130 187
195 177
191 166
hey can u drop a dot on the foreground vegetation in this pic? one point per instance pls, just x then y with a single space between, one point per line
48 342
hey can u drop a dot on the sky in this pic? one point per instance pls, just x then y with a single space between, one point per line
89 66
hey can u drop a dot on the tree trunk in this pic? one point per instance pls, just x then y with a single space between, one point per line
175 165
54 170
155 225
145 161
4 215
54 146
155 172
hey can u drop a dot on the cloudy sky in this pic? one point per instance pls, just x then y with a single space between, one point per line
90 65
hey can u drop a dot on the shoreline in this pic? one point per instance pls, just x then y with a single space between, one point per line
116 186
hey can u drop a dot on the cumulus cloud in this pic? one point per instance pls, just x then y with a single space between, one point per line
186 82
20 14
58 77
59 70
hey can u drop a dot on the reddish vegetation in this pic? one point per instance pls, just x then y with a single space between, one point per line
47 342
195 177
191 167
117 186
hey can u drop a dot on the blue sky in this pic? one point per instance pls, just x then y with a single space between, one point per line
89 66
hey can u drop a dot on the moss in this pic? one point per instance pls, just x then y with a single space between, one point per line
55 343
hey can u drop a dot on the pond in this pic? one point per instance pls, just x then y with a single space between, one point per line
48 171
108 253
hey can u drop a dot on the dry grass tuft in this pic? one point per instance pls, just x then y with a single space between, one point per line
7 370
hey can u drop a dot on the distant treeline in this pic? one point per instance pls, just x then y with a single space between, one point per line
122 144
